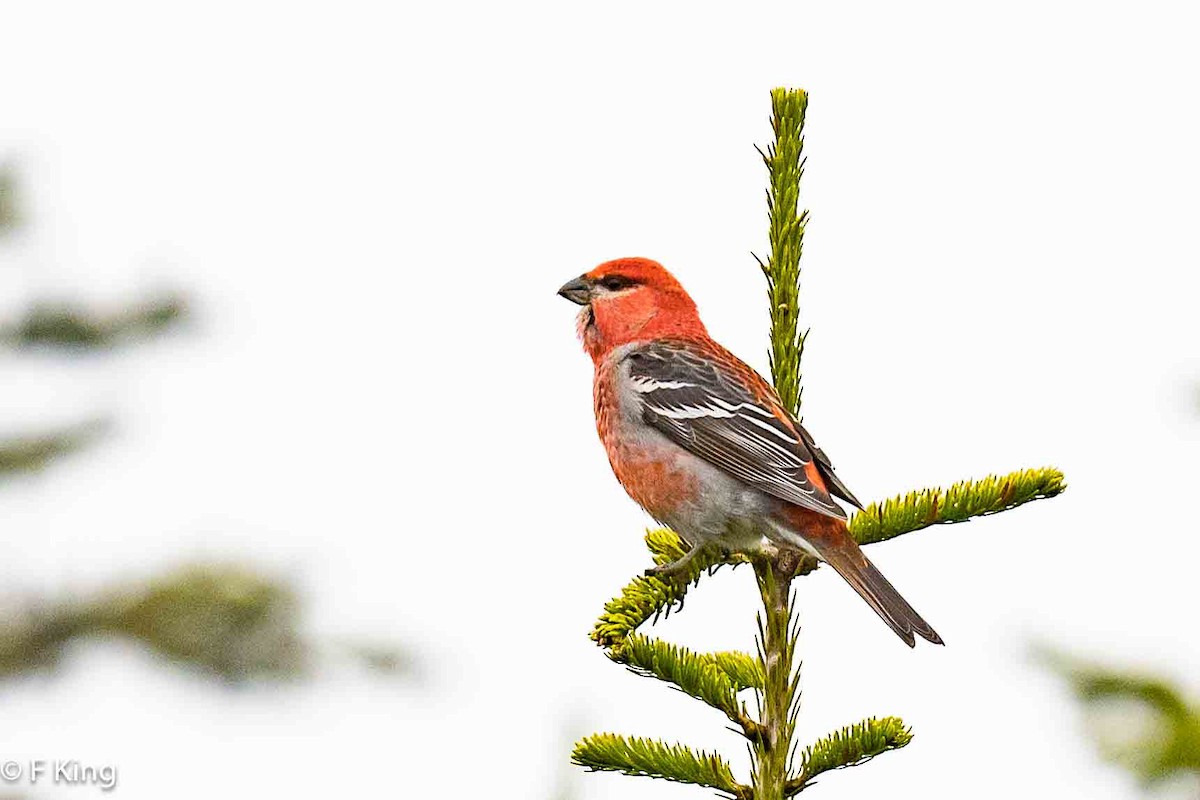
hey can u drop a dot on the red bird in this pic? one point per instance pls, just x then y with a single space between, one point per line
704 444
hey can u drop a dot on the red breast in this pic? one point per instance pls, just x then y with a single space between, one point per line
652 477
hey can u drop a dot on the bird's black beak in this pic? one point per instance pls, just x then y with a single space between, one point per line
577 291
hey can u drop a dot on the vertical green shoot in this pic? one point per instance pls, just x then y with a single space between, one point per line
780 697
785 164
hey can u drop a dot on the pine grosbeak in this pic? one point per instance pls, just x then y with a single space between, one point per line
702 442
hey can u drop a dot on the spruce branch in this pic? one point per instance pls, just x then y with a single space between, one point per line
642 598
654 759
713 678
648 596
885 520
849 747
701 675
744 670
697 675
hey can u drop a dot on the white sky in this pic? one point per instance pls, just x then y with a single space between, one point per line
384 400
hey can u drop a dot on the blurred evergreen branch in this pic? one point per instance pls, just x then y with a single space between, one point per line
717 678
65 325
225 620
62 324
383 658
11 215
33 453
1156 731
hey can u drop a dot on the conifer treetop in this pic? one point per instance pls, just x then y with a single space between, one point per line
720 679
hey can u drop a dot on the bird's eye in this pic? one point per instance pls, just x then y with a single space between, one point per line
615 283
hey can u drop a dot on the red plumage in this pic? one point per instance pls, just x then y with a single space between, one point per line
703 443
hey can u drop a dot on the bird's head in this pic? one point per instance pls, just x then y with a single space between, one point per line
629 300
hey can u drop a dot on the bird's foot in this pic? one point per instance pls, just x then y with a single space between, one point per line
675 567
664 570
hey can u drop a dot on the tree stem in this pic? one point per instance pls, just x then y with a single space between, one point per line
778 699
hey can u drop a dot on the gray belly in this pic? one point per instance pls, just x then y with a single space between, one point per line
725 510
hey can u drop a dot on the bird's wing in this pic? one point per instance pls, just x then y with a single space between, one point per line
832 481
710 403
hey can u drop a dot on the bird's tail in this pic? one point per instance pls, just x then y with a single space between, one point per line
879 593
843 554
